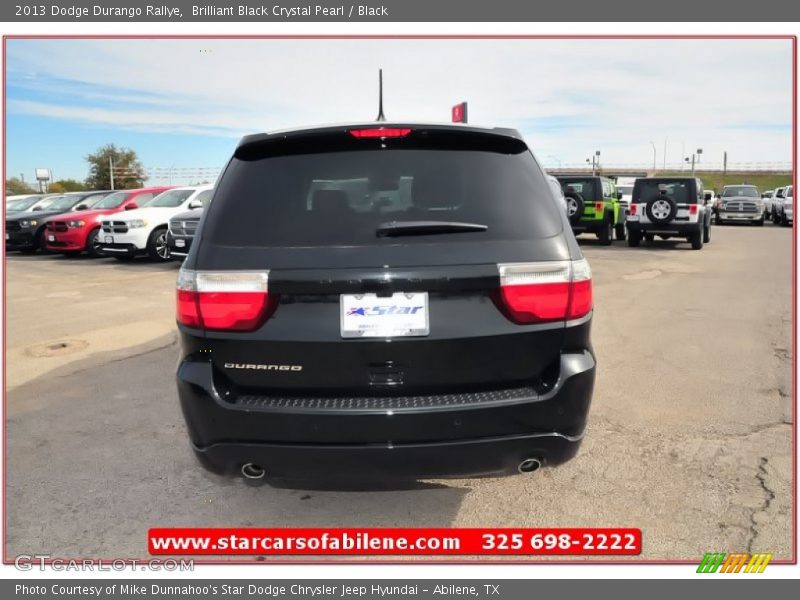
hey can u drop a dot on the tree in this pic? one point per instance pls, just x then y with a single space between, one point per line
66 185
128 171
15 186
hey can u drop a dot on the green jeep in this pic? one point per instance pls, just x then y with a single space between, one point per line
593 207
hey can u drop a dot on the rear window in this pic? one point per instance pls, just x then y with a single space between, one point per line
682 192
747 191
584 187
334 190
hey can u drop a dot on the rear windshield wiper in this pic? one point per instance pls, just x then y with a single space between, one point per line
398 228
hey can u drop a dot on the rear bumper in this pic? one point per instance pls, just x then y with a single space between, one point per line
449 440
672 228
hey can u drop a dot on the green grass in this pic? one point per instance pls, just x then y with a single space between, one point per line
716 180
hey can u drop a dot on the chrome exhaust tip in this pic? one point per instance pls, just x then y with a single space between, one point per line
251 471
529 465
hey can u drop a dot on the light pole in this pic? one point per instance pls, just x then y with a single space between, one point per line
595 160
654 157
695 157
665 153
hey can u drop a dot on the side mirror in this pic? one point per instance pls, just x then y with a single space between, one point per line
131 206
35 208
81 207
195 204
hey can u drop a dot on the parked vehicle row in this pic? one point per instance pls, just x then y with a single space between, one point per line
779 205
122 224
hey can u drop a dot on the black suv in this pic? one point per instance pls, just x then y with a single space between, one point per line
384 302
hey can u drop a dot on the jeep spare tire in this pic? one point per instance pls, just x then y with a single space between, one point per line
575 204
661 210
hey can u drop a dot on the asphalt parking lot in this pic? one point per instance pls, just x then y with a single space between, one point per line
690 432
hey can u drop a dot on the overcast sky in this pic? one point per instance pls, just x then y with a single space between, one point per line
186 102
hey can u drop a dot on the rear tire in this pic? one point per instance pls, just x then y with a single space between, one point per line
760 222
696 239
619 232
634 239
157 247
606 234
707 234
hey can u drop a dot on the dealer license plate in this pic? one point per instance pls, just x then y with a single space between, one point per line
398 315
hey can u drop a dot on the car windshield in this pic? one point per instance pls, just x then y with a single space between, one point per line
679 191
170 199
113 200
66 202
625 189
22 203
584 187
745 190
789 190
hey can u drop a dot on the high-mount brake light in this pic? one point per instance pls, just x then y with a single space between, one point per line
545 291
224 300
380 132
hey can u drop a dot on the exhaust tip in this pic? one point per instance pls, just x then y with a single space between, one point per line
251 471
529 465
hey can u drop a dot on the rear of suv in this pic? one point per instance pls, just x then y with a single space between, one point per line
669 207
593 206
384 302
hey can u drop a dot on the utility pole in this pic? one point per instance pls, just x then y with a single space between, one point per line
654 157
725 163
111 170
665 153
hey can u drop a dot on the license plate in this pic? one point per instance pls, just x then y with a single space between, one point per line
51 238
180 243
398 315
108 239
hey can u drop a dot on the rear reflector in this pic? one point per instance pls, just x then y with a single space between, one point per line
545 292
223 300
381 132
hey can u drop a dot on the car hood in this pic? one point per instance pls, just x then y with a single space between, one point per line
189 215
159 214
91 215
40 215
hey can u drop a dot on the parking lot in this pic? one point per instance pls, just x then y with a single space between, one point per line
689 439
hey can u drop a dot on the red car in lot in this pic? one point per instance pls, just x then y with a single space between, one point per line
72 233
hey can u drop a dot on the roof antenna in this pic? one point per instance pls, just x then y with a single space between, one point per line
381 116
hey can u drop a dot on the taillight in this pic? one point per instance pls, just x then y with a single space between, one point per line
633 209
693 208
546 291
598 206
381 132
223 300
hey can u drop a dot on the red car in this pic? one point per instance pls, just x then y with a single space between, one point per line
73 233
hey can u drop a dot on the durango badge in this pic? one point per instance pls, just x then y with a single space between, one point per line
264 367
